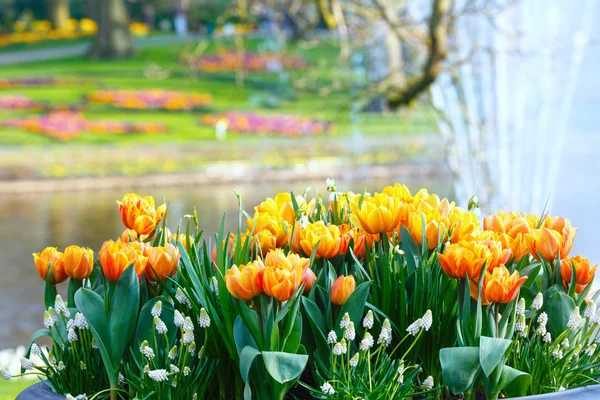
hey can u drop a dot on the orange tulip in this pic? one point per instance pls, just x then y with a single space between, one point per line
584 272
265 240
163 262
282 274
129 235
79 262
266 221
434 228
377 214
328 238
464 225
498 255
546 242
565 230
115 257
500 286
50 258
512 223
462 258
245 282
308 279
139 213
341 289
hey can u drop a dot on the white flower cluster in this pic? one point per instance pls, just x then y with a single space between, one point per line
188 336
182 298
178 319
401 373
156 309
213 285
575 320
158 375
50 318
72 335
203 319
367 342
354 360
186 371
174 368
161 327
421 323
61 307
340 348
557 353
350 332
590 350
521 307
547 337
327 389
345 322
331 337
172 353
188 324
146 350
368 321
35 350
521 326
26 363
538 302
542 321
428 383
80 322
385 337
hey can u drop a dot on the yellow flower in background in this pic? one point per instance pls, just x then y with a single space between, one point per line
163 262
79 262
272 223
341 289
463 225
117 256
435 228
50 259
265 241
500 286
376 214
139 213
328 238
399 191
246 281
182 238
584 272
282 274
282 206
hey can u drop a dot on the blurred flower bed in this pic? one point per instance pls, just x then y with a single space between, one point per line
7 83
231 61
281 125
15 102
65 125
41 30
151 99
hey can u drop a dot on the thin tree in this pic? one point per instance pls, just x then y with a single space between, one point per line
113 39
58 13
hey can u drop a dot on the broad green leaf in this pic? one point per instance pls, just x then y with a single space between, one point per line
314 313
284 367
292 341
145 331
459 367
242 335
559 307
491 352
247 356
250 318
513 383
355 305
122 315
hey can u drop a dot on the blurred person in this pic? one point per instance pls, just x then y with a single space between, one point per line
180 19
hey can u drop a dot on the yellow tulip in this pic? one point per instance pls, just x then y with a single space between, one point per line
245 282
463 225
79 262
266 221
282 274
341 289
328 238
265 240
377 214
50 258
163 262
435 229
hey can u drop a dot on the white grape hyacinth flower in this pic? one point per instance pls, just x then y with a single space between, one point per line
158 375
203 319
327 389
575 320
345 322
156 309
331 337
369 320
350 333
178 319
428 383
188 324
590 310
161 327
146 350
80 322
367 342
354 360
538 302
61 307
414 328
72 335
6 375
26 363
427 320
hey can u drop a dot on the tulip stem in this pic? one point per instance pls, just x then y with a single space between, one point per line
496 309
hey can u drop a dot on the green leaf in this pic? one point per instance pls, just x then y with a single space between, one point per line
292 340
459 367
91 305
122 314
409 247
314 313
355 305
284 367
145 331
559 306
514 383
250 318
491 352
247 356
37 334
49 293
242 335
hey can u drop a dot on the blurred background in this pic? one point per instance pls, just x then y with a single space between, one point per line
188 100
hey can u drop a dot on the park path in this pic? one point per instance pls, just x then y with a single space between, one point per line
79 49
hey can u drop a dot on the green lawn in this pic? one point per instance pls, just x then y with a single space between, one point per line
10 389
302 94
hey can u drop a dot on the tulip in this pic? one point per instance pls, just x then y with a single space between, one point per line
229 247
308 279
265 221
464 225
129 235
377 214
341 289
282 207
282 274
328 238
500 286
498 255
464 259
182 238
245 282
163 262
434 228
584 272
512 223
546 242
265 240
115 257
50 259
138 213
79 262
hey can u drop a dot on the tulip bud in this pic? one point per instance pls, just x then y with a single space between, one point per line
50 259
79 262
308 279
163 262
341 289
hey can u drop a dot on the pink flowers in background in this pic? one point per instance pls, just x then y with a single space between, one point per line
24 103
230 61
65 125
282 125
151 99
6 83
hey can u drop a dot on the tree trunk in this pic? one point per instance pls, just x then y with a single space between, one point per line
113 39
59 13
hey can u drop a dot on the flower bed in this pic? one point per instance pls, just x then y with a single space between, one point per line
382 296
65 125
6 83
28 104
152 99
231 61
282 125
